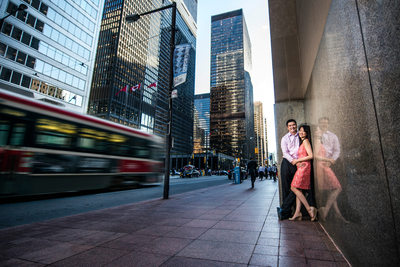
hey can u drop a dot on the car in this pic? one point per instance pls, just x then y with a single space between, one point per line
190 171
223 172
175 172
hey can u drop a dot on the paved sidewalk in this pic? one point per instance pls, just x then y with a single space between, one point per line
226 225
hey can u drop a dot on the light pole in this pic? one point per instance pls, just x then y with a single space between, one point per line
133 18
13 12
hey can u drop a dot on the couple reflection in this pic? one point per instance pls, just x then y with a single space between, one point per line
326 152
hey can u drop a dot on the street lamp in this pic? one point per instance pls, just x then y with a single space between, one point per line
13 12
133 18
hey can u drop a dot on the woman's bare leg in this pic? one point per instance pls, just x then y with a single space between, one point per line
331 200
303 200
297 214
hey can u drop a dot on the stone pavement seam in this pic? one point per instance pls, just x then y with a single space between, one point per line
269 209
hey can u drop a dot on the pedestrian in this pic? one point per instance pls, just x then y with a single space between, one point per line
252 169
302 178
289 144
261 171
274 171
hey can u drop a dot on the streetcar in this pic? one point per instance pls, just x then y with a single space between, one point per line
45 149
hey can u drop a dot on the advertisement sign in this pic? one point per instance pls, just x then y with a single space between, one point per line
181 59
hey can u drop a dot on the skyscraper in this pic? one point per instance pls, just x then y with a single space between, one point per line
47 51
182 106
136 55
232 112
201 137
259 133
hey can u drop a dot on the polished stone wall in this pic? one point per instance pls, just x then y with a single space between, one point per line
348 88
354 83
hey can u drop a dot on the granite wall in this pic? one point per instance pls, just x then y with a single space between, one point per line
354 88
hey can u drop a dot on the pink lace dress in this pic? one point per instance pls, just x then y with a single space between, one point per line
302 176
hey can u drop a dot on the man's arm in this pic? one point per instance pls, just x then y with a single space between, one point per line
285 150
336 147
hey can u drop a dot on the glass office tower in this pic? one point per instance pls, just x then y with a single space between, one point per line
182 112
201 130
133 54
232 112
260 131
47 51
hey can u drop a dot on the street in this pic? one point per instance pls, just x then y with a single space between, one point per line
13 214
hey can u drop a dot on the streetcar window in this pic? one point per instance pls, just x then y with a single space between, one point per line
92 139
119 144
140 148
54 133
4 128
53 139
17 134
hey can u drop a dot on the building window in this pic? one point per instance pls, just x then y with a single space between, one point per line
31 62
3 48
26 81
26 38
11 53
21 57
16 77
31 20
44 8
35 3
16 34
35 43
5 74
39 25
7 27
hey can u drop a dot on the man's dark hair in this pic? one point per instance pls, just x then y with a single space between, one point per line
291 120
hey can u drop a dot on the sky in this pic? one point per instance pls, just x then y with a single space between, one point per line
257 20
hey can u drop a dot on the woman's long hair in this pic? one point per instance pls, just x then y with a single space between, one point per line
307 129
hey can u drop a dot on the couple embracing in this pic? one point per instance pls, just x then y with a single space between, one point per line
296 173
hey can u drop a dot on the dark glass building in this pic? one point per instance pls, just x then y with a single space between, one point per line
132 54
232 112
201 130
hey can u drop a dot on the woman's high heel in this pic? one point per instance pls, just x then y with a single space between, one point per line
313 213
297 218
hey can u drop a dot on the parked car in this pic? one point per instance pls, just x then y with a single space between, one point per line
190 171
175 172
222 172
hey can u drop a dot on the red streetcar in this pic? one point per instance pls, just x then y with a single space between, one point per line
45 149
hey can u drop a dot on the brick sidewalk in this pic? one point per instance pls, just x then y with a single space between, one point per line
227 225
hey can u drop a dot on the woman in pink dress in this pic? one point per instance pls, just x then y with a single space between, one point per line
302 177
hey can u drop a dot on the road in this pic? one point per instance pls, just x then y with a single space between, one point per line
13 214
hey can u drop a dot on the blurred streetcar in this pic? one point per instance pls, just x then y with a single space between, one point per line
45 149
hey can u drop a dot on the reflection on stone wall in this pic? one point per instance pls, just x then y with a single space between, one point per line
353 96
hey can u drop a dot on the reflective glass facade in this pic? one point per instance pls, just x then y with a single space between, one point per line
136 53
201 130
232 112
191 5
182 112
47 50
